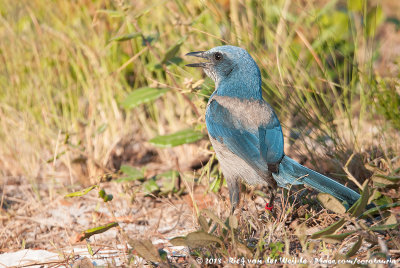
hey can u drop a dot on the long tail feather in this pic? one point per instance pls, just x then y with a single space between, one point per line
291 172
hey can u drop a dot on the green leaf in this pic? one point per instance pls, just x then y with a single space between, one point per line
90 249
168 174
383 200
172 51
335 238
178 138
97 230
331 203
361 203
168 181
354 248
374 19
150 186
276 249
142 95
125 37
131 174
355 5
108 197
328 230
384 227
102 193
380 208
82 192
145 249
216 184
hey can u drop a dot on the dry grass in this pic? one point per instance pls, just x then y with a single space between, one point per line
62 126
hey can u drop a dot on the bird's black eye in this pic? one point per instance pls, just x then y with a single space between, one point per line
218 56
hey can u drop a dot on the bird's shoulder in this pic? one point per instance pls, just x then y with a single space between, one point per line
249 113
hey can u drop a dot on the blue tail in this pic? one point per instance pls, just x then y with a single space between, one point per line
291 172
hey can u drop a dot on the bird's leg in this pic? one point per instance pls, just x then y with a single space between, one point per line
234 190
272 190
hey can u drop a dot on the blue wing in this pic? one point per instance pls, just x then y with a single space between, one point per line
258 146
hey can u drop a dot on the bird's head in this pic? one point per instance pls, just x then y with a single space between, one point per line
229 65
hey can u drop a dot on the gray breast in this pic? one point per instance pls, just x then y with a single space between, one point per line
233 167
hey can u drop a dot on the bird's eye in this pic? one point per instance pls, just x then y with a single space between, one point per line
218 56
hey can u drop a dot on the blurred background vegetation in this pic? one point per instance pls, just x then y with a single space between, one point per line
80 78
94 90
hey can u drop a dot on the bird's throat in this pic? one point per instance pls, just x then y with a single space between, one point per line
240 88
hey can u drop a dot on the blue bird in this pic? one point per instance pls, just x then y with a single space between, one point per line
246 133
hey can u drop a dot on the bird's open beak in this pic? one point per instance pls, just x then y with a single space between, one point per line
199 54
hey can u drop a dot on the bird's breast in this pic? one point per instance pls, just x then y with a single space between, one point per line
249 114
235 167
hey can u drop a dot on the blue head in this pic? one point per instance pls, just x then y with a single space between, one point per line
233 70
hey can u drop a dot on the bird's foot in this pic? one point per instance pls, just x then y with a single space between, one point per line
269 206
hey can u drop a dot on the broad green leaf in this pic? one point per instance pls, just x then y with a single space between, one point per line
329 230
335 238
354 248
384 227
150 186
125 37
145 249
171 52
82 192
331 203
178 138
97 230
142 95
131 174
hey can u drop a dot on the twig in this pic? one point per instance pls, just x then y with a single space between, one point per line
351 177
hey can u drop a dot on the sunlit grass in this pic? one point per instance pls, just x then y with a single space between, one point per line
67 67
